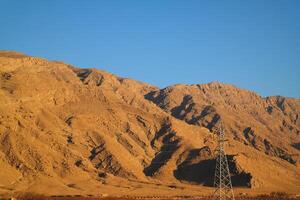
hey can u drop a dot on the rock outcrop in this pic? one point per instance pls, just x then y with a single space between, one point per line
77 130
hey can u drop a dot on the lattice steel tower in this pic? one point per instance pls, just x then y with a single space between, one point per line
222 180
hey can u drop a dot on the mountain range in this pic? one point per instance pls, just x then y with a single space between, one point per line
66 130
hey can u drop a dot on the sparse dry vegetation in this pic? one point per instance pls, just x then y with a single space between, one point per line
29 196
272 196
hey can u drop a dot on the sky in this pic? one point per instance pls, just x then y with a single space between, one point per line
253 44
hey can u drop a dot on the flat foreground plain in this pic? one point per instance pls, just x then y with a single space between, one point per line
272 196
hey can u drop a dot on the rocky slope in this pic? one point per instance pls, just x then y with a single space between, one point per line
270 125
85 131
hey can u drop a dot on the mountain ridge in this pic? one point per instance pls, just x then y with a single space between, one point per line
65 127
16 54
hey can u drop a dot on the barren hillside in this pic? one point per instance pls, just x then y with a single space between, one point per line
270 124
67 130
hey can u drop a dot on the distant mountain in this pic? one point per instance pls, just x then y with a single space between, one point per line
67 130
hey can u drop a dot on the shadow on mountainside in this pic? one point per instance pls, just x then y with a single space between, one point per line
203 173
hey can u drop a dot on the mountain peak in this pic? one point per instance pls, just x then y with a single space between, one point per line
80 130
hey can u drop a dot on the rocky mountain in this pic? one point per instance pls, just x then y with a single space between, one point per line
249 118
68 130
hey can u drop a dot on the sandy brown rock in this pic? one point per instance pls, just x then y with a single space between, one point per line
268 124
86 131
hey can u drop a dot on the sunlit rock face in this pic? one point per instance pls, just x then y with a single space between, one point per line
67 130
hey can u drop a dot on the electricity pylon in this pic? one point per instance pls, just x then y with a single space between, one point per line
222 180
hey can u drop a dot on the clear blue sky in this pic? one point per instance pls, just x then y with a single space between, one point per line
253 44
